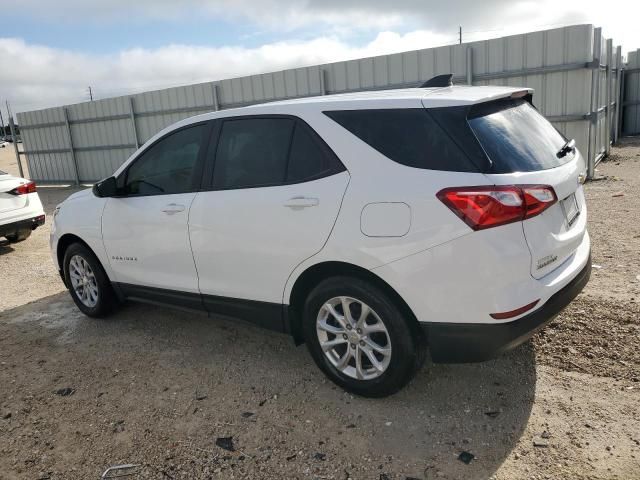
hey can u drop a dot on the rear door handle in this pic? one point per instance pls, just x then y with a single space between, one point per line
301 202
173 208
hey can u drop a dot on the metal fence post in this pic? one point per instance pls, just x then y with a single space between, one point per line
14 137
323 82
71 150
132 115
619 94
609 85
469 66
216 97
595 101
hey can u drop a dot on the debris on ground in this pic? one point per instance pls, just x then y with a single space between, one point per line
466 457
65 392
226 443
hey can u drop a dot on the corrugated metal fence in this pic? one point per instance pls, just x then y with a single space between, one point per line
631 114
573 70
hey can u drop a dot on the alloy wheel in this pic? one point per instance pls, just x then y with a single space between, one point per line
83 281
353 338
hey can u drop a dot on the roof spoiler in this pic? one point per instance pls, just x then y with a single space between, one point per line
445 80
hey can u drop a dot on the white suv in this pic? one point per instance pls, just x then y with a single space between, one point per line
368 225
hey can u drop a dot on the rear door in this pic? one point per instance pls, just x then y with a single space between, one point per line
525 148
274 198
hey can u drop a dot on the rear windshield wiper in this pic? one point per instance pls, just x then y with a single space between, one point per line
569 146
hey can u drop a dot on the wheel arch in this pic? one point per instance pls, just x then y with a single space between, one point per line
65 242
314 274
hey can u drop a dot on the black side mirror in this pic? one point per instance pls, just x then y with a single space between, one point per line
106 188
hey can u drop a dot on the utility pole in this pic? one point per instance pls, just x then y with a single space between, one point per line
460 34
90 93
14 137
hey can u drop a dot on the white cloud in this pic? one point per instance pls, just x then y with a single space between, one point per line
35 77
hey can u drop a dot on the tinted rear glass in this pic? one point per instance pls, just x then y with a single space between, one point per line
516 137
408 136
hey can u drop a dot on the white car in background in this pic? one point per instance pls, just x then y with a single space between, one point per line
372 226
21 211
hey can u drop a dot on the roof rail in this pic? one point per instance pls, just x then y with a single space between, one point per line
445 80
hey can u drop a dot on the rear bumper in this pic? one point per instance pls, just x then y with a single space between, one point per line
473 342
20 225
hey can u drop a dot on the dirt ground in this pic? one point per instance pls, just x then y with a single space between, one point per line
157 387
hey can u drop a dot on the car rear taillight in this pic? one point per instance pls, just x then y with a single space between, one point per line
490 206
29 187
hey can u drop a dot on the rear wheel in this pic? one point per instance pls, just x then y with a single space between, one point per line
360 338
19 236
87 281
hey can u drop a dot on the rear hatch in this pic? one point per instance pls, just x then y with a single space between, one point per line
9 201
525 149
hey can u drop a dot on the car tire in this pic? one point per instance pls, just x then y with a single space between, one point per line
19 236
385 325
87 282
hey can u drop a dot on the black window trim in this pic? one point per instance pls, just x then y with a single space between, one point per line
212 152
196 185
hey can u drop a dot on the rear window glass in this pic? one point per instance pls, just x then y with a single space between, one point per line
408 136
516 137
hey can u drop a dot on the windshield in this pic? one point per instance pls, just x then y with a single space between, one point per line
516 137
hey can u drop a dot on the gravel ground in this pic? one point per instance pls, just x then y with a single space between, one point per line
159 388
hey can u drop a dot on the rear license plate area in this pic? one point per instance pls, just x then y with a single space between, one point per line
570 208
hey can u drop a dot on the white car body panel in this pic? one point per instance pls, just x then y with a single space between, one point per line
250 253
81 217
14 208
161 254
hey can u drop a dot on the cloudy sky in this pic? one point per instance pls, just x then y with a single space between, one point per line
50 52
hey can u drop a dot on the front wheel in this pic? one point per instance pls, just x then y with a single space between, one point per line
87 281
359 337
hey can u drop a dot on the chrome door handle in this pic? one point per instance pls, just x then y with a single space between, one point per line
301 202
173 208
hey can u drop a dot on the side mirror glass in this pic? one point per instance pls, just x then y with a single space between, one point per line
106 188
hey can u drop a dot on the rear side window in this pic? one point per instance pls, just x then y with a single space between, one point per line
408 136
516 137
261 152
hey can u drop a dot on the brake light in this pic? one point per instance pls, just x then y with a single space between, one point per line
23 189
490 206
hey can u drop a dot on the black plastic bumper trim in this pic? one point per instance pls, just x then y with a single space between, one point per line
15 227
472 342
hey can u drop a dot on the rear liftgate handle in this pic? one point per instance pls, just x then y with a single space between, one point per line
297 203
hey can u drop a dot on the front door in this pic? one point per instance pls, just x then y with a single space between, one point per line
145 228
